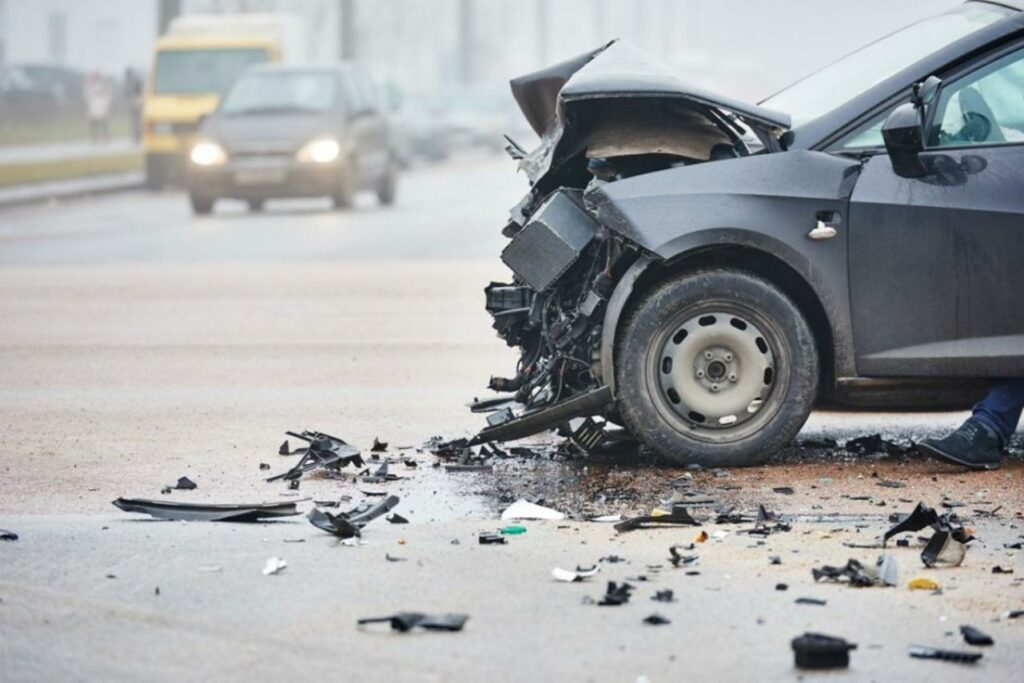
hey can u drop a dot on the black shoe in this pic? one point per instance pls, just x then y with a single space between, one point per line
974 445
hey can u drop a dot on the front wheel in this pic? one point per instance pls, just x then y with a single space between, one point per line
201 204
717 368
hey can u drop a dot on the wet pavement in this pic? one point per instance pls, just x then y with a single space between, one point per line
139 344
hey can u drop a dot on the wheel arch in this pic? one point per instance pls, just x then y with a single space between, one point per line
648 271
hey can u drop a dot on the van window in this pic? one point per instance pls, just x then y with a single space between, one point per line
202 72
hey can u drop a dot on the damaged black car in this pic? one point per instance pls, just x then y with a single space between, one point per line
704 272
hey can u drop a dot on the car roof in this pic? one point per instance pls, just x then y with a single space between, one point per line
277 67
814 134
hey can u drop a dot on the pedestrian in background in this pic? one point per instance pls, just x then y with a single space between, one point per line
133 100
99 98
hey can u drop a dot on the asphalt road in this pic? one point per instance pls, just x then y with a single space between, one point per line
139 344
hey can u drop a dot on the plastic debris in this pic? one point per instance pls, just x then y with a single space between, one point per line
522 509
784 490
664 596
606 519
491 538
948 545
274 566
678 559
616 594
349 524
184 484
324 450
678 516
6 535
922 583
196 512
811 601
396 518
924 652
580 574
514 530
883 573
819 651
378 445
656 620
404 622
1002 570
973 636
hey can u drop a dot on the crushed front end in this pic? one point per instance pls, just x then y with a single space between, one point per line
602 117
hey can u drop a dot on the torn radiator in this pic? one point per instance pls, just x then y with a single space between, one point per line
551 242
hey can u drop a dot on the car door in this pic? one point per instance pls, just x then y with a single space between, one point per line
937 263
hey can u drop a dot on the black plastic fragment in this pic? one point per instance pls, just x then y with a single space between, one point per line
784 490
959 656
664 596
406 621
1002 570
819 651
810 601
378 445
853 571
677 517
323 450
973 636
396 518
6 535
656 620
185 484
349 524
616 594
492 538
196 512
678 559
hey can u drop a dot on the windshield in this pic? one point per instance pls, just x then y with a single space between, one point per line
817 94
306 91
202 72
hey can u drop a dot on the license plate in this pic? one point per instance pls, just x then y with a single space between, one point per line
262 176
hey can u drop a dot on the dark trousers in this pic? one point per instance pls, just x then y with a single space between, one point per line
1001 408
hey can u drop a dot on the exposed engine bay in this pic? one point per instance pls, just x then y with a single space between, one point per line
602 117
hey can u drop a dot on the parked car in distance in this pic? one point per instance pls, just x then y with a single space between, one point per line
705 271
294 131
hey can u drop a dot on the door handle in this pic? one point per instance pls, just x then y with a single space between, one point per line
825 227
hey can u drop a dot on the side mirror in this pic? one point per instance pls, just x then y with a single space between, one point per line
903 133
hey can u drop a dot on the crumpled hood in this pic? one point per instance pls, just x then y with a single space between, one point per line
619 69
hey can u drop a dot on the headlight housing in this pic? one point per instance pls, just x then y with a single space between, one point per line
207 153
320 151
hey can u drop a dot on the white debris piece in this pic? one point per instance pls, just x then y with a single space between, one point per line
581 573
274 565
522 509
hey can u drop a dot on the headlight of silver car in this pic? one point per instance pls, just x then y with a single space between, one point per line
319 151
207 153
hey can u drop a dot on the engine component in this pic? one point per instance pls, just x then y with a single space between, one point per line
551 242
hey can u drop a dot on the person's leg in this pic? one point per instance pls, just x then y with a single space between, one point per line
1001 408
979 442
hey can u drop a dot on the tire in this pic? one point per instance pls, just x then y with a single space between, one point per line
716 368
345 190
201 205
387 189
256 205
156 172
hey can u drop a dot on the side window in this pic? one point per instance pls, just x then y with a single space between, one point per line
867 136
984 107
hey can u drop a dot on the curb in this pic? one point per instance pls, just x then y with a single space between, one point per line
70 188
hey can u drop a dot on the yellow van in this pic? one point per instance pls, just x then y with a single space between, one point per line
194 63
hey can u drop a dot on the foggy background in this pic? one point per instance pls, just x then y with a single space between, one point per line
430 48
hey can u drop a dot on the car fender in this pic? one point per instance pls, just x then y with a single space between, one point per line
765 204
